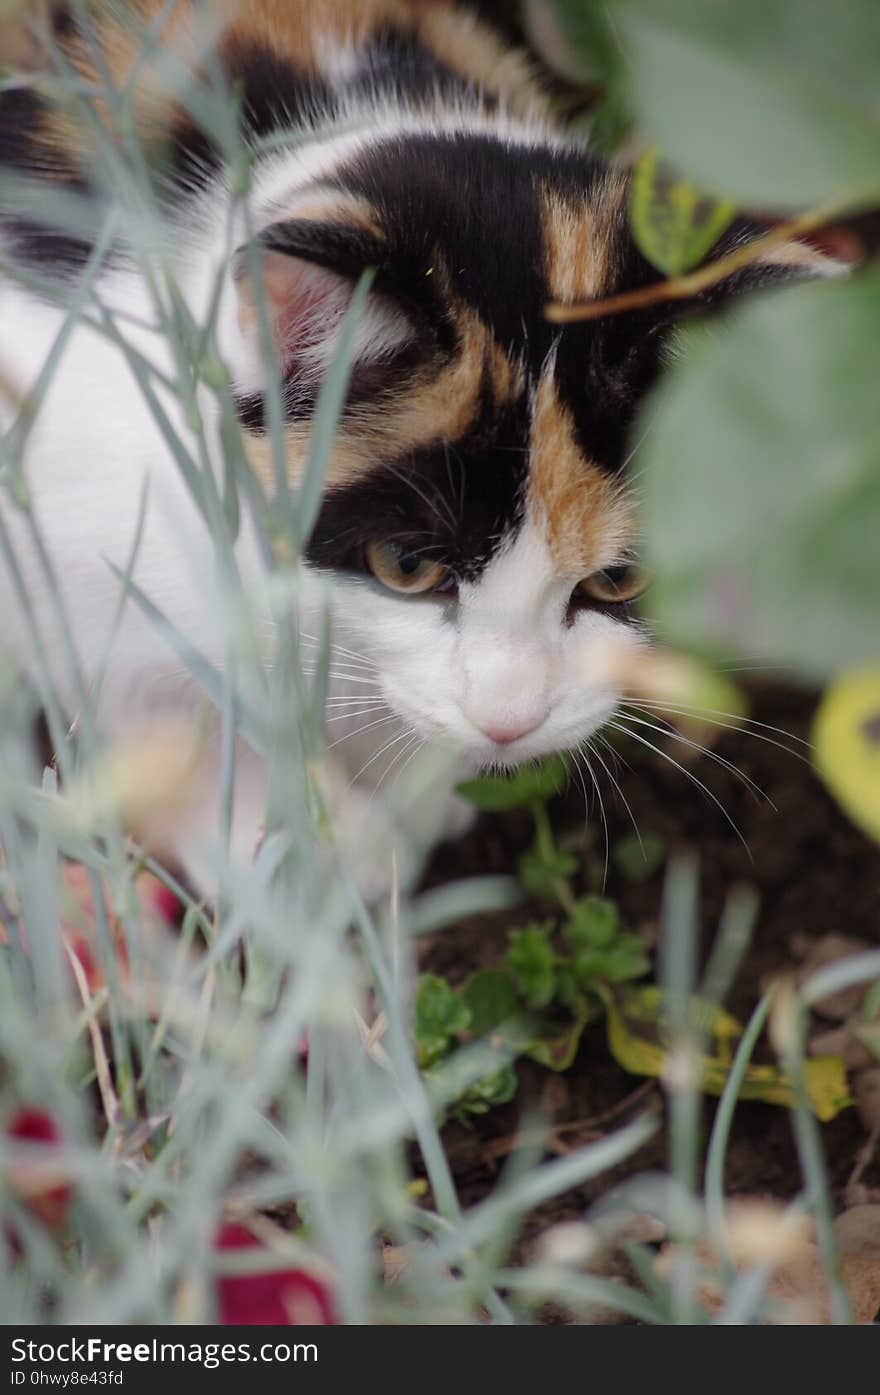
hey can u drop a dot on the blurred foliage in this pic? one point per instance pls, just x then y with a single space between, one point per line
846 737
774 103
760 462
769 432
638 1034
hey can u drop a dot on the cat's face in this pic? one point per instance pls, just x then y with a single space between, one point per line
477 519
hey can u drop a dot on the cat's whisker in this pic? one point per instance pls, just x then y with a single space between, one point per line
592 774
711 717
359 712
412 755
462 477
580 774
449 475
664 755
335 648
432 504
381 752
343 664
616 783
668 730
635 450
358 699
413 746
614 756
343 677
369 726
751 668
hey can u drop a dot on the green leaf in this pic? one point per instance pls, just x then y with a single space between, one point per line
485 1094
533 784
773 104
440 1014
674 225
638 859
846 741
557 1047
770 432
532 961
491 998
625 959
568 989
543 867
593 924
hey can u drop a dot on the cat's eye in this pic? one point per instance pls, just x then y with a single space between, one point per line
613 586
401 570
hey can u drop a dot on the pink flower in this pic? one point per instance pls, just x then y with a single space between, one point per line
41 1184
284 1297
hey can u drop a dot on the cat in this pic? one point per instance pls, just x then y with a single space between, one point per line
477 529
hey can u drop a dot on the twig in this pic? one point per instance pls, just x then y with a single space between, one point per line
102 1064
683 287
851 1191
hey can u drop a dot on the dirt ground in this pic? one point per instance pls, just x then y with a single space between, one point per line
814 872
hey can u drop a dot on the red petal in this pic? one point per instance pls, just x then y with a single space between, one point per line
35 1124
288 1297
39 1188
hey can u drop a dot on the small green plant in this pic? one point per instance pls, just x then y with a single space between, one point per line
556 971
575 966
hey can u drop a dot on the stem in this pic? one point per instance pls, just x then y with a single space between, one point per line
684 287
546 845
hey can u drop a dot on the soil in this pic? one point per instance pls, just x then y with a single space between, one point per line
814 872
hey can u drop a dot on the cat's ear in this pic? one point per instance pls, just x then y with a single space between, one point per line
830 252
309 270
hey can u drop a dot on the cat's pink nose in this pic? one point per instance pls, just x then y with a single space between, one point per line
504 733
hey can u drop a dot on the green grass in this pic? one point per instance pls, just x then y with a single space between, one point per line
196 1105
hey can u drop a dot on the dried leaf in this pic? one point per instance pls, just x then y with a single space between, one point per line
637 1030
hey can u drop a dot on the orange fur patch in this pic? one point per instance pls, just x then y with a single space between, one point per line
579 240
585 516
468 47
436 406
295 31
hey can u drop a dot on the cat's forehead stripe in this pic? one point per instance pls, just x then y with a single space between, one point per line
583 513
579 233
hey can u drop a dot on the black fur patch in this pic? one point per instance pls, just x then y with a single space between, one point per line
53 251
393 61
474 202
273 96
454 502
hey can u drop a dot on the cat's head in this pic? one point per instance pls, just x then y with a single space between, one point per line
477 521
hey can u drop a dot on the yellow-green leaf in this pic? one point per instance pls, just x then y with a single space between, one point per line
672 222
846 738
637 1026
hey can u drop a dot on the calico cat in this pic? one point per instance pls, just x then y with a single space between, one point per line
477 527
